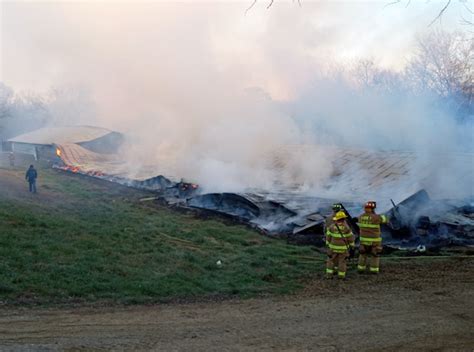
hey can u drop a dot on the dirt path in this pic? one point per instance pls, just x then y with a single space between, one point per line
412 306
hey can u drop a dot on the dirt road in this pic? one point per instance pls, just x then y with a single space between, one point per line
414 305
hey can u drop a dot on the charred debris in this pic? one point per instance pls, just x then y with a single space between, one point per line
417 224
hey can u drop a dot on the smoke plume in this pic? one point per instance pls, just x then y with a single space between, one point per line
207 93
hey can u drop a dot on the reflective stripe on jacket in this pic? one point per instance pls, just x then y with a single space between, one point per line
328 222
369 225
339 237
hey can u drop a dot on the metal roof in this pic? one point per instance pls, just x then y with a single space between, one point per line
357 173
76 156
61 135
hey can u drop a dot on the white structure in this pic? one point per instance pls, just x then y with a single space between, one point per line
41 143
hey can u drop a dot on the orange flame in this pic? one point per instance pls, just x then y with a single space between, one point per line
58 152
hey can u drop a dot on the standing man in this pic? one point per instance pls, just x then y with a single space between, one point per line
31 176
339 240
370 238
11 158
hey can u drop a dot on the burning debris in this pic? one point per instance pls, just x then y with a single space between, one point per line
416 222
431 223
267 215
419 220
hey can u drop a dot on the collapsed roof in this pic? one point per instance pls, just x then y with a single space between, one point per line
75 157
416 221
356 175
360 174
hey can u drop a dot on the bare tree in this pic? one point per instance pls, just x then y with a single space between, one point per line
21 112
443 64
366 74
445 5
270 3
6 95
442 10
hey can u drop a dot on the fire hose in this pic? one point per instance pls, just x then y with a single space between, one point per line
352 222
348 247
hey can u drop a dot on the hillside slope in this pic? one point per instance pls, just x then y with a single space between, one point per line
82 239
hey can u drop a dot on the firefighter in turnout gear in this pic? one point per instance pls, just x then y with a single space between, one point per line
370 238
336 207
339 240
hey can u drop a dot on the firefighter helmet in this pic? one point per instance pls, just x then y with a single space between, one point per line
336 207
370 204
339 216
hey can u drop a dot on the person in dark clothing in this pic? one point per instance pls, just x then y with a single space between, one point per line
31 176
11 158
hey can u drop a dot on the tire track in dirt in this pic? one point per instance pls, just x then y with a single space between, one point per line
411 306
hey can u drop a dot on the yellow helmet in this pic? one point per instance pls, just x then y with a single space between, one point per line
339 216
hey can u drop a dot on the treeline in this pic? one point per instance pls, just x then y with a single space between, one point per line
438 78
22 112
426 105
442 66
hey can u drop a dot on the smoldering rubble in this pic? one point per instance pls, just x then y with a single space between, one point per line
420 219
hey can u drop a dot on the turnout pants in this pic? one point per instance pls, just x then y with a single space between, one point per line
371 252
336 260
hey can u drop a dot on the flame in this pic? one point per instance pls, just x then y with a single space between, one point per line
77 169
58 152
74 169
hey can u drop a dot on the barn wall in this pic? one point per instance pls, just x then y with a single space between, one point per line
46 152
25 148
38 151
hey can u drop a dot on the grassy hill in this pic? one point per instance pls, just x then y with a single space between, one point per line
86 240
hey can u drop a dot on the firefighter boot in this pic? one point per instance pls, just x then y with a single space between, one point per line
329 267
341 266
361 266
329 274
374 264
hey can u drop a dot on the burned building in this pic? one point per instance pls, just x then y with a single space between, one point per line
437 216
428 199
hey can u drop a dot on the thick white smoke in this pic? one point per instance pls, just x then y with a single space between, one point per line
208 93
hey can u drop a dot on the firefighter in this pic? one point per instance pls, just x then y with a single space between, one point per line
370 238
336 207
31 176
339 240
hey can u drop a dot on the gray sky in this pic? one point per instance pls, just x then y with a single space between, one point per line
108 44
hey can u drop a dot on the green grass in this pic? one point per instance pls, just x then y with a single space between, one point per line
84 240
